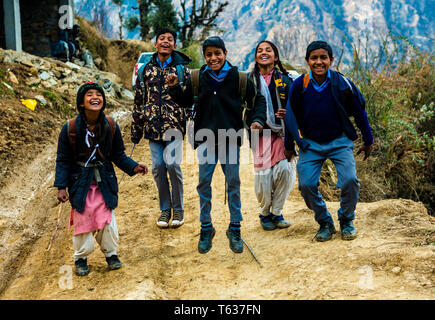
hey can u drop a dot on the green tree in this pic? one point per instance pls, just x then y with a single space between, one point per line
163 15
132 22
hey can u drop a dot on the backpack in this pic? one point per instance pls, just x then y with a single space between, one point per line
72 131
243 82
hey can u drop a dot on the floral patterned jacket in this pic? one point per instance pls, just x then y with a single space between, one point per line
154 110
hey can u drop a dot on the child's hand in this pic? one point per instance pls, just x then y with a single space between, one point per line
256 126
290 154
62 196
366 149
171 80
280 114
141 168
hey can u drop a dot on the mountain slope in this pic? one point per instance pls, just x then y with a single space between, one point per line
294 23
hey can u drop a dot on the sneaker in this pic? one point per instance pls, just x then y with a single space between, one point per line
235 240
348 231
205 239
113 262
81 267
325 232
267 223
280 222
177 219
163 221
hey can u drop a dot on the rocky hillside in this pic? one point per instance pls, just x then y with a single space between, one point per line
52 86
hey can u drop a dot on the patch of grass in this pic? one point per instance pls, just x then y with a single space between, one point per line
400 91
50 96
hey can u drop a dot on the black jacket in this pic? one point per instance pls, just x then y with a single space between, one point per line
78 179
221 108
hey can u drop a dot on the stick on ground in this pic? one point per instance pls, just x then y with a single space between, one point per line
57 226
252 252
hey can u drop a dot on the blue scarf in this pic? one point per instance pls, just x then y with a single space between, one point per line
219 77
320 87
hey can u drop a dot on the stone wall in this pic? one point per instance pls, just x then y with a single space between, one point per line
37 19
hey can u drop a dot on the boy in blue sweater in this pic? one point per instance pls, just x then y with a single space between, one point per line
320 104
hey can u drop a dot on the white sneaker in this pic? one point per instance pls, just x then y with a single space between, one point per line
178 219
163 221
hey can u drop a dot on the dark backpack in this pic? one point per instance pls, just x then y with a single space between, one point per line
243 83
72 134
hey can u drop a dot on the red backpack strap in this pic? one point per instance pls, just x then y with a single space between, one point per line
72 133
112 127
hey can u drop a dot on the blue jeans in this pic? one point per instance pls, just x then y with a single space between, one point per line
166 157
340 152
230 167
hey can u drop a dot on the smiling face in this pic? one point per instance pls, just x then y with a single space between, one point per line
165 44
265 56
93 101
215 58
319 62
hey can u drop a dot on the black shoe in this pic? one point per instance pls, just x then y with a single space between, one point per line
267 222
81 267
325 232
177 219
205 239
348 231
164 218
235 240
113 262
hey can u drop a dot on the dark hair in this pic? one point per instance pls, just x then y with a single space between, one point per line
318 45
166 30
214 42
99 126
278 62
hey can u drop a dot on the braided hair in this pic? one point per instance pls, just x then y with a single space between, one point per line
256 71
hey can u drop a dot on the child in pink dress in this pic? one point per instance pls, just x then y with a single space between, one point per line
88 144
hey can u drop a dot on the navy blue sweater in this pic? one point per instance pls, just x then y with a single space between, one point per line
320 118
347 101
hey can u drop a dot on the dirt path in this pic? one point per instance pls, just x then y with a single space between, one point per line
390 259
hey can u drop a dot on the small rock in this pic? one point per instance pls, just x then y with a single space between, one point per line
12 77
50 83
33 71
57 74
396 270
72 65
45 76
27 63
127 94
33 81
41 100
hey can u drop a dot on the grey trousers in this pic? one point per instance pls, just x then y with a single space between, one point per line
273 185
166 158
107 238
